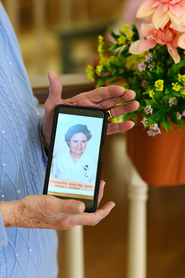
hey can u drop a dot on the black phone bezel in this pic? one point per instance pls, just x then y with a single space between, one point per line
91 206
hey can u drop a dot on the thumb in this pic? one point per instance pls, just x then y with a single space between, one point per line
55 88
53 100
72 206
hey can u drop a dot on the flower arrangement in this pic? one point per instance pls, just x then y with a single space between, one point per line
153 65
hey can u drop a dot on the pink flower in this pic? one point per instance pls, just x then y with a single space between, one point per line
172 101
148 109
162 11
181 41
167 36
154 130
144 84
148 58
179 116
144 122
141 67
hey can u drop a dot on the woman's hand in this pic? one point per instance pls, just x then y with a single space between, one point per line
49 212
103 97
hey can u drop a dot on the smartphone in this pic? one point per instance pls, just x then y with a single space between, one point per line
75 154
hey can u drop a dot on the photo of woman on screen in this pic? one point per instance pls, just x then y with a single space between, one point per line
75 163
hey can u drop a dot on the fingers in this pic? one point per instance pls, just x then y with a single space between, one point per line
119 110
101 190
103 97
113 96
56 205
92 219
72 214
122 109
113 128
73 207
40 211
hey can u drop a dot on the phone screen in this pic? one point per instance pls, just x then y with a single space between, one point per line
75 158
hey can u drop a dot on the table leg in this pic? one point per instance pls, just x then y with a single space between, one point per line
137 196
74 253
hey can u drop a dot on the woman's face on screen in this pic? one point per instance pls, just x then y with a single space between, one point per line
77 144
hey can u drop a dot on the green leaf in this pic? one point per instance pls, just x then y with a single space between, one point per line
165 123
173 116
151 102
152 75
115 36
166 92
147 91
124 50
141 108
175 69
169 73
128 116
102 80
113 81
159 72
136 34
180 124
165 126
181 64
114 46
121 33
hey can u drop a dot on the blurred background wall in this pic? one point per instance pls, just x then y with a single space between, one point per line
42 28
60 35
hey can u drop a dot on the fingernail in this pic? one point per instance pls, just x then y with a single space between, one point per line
80 208
104 184
49 78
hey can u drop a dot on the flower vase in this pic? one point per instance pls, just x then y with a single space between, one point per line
159 160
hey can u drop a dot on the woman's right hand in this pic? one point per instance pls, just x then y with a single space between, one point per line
106 98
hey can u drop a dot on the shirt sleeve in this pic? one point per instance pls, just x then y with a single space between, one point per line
40 111
44 150
38 107
3 237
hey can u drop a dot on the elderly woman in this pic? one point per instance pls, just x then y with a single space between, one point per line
75 163
28 246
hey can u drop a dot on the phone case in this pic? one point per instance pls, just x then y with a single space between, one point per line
86 114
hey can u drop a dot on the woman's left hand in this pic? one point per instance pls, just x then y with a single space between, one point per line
102 97
49 212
